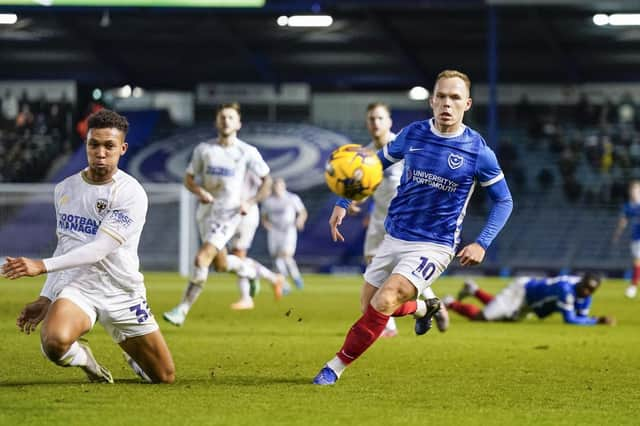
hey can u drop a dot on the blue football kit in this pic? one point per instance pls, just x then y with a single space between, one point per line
545 296
439 176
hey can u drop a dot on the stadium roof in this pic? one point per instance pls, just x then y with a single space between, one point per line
378 44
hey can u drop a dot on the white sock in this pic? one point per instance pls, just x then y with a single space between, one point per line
391 324
75 357
191 294
137 369
242 267
337 366
428 293
245 288
421 310
264 272
281 265
294 272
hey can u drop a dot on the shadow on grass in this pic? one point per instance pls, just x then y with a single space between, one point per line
214 381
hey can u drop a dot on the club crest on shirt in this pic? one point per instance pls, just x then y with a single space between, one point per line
101 205
455 161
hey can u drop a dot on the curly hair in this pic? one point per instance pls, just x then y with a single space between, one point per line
107 119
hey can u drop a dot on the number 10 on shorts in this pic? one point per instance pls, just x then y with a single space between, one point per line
425 269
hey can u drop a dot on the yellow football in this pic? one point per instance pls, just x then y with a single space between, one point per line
353 172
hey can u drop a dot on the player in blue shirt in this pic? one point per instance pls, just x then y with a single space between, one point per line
569 295
443 162
631 215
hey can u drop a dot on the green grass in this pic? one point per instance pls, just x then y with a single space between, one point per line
255 367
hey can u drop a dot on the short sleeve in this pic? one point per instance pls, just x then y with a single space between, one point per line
195 167
257 164
626 211
126 217
488 170
394 150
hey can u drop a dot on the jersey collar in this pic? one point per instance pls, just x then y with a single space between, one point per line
446 135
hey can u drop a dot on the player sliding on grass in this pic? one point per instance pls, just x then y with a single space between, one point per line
569 295
443 161
94 273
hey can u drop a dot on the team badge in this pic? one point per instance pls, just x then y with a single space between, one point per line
455 161
101 205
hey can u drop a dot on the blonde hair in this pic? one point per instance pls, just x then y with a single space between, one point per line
375 105
454 74
233 105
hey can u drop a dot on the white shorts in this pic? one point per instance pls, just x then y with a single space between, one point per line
218 230
635 249
246 229
123 315
374 236
509 303
420 263
282 242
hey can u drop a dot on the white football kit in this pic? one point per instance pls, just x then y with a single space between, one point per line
249 223
221 170
281 212
381 199
111 290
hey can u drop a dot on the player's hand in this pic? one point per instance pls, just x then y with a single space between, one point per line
336 220
470 255
17 267
32 314
204 196
607 320
366 221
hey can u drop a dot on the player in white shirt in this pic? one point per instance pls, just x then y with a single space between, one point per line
379 126
220 165
94 273
283 215
241 242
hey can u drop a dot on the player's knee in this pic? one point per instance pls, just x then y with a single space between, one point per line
166 376
55 346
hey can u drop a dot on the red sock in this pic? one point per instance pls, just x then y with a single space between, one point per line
466 309
636 275
406 308
483 296
362 335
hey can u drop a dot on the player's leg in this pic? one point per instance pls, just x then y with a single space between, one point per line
151 354
288 250
65 322
372 240
471 288
441 317
366 330
468 310
199 274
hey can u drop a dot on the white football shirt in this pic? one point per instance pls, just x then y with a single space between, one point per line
387 188
282 211
83 209
221 171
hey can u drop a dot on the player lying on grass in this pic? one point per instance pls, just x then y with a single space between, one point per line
94 273
569 295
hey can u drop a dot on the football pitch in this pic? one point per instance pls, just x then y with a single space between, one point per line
255 367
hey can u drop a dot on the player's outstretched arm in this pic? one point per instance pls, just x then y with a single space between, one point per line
336 220
470 255
32 314
17 267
